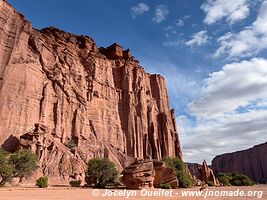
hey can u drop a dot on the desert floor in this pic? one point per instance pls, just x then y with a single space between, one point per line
67 193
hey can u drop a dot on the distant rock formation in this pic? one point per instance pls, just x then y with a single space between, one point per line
99 100
251 162
148 174
202 173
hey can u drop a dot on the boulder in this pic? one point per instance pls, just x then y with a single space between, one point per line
164 175
148 174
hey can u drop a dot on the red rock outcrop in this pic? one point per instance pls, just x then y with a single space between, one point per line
251 162
164 175
55 159
148 174
103 105
202 173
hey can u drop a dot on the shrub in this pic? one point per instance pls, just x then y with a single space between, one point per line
174 163
224 179
236 179
210 183
180 169
70 144
184 179
75 183
165 186
42 182
102 172
241 180
19 164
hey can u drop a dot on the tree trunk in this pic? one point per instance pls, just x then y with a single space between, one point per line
3 182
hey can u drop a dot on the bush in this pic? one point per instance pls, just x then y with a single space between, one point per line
184 179
210 183
42 182
179 167
19 164
224 179
165 186
241 180
236 179
102 172
75 183
174 163
70 144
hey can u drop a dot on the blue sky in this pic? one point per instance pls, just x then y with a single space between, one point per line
212 54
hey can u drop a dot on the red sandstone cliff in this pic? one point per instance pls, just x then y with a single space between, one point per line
58 89
251 162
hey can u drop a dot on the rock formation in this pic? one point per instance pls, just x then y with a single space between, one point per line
148 174
202 173
164 175
251 162
99 100
50 153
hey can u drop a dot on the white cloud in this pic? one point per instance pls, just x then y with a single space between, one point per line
233 11
187 17
231 114
160 14
179 23
198 38
139 9
224 135
249 41
237 84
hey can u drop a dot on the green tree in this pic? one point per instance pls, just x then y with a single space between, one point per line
180 169
102 172
24 162
6 168
19 164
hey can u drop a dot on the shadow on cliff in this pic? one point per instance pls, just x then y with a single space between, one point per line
10 143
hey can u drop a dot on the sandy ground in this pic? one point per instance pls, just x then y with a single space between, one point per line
60 193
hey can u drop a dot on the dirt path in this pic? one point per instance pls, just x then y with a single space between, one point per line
19 193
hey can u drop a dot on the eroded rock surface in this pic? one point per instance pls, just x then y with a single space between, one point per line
148 174
202 173
251 162
55 159
105 104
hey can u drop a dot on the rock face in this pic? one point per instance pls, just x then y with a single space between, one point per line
202 173
251 162
164 175
101 101
50 153
147 174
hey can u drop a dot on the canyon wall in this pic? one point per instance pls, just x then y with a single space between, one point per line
251 162
68 100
